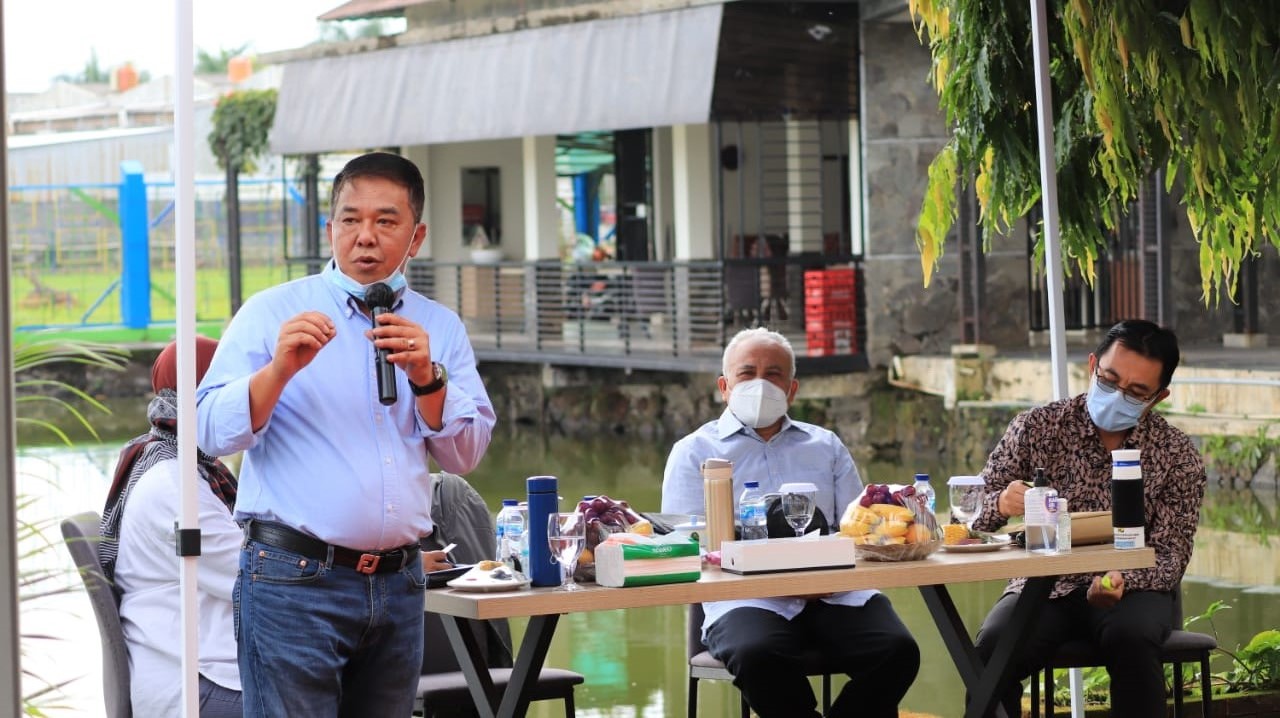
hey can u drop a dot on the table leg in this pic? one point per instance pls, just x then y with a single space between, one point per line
528 665
524 675
983 681
471 660
954 634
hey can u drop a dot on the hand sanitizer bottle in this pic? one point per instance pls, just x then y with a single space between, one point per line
1041 515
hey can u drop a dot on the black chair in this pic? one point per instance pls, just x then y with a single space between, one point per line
703 666
81 535
442 687
742 297
1179 648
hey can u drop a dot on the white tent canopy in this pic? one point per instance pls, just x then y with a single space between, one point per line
649 70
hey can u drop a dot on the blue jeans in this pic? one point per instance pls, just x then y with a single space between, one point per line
318 640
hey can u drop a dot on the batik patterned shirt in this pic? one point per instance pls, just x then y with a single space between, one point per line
1062 438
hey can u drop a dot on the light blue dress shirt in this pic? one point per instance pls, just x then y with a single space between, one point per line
798 452
332 461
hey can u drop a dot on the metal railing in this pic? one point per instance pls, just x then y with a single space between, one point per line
636 315
1131 276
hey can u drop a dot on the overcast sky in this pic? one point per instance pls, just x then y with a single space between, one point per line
46 38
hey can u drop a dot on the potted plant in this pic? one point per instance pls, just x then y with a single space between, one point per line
1250 687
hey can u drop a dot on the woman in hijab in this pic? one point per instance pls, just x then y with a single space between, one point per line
137 552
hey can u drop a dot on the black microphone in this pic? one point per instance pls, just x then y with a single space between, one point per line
379 299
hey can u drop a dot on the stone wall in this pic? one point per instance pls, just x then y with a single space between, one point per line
902 131
580 402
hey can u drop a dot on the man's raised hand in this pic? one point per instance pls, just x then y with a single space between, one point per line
301 339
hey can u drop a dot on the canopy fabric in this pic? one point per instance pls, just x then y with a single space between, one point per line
368 8
650 70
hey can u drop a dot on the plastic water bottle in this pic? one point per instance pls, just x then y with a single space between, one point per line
510 533
753 512
523 510
925 489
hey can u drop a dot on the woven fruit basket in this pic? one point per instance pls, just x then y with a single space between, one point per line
896 552
891 523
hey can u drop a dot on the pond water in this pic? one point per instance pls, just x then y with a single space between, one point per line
634 660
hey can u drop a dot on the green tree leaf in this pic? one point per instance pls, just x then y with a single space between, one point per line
1192 87
241 122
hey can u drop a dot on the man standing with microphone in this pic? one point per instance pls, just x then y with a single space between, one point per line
335 490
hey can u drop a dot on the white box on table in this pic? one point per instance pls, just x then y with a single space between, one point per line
787 554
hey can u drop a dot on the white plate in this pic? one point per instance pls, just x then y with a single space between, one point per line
481 580
995 544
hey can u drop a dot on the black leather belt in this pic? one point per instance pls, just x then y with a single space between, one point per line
281 536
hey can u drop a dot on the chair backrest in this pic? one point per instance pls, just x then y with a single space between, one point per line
437 656
81 535
694 638
742 286
461 516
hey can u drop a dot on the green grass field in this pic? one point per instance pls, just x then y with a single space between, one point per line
84 300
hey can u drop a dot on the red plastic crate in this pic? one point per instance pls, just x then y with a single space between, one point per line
829 342
826 318
834 276
819 302
829 284
828 325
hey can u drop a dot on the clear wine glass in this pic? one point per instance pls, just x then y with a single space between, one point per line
963 514
566 535
966 493
797 507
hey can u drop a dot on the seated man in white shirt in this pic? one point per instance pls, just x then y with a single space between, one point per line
758 640
137 552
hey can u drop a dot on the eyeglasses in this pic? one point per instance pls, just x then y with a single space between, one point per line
1109 386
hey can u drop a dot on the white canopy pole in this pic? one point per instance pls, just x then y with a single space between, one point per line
1049 197
185 265
10 651
1052 244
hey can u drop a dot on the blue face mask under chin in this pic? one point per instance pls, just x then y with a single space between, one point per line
396 281
1110 411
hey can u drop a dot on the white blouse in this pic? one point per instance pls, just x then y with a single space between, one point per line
150 609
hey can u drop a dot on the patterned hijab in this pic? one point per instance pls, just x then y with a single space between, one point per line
159 444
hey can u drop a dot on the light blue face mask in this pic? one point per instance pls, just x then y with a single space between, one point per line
1110 411
396 281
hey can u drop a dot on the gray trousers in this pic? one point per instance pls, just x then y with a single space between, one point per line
219 702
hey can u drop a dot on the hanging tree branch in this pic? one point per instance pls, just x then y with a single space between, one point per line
1192 86
241 122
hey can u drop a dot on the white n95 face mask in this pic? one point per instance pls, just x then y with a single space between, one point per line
757 403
